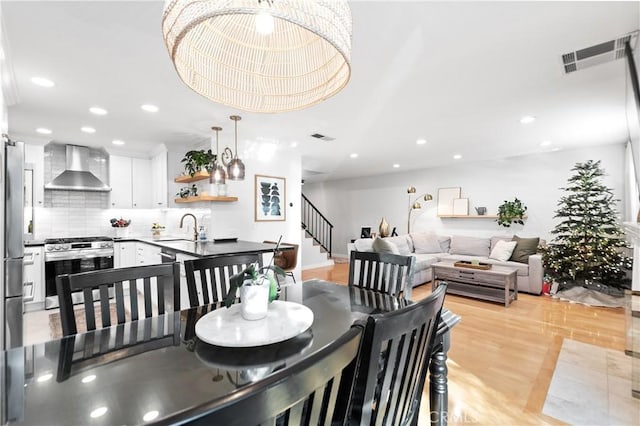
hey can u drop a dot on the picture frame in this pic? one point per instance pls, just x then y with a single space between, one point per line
365 232
270 198
461 207
445 200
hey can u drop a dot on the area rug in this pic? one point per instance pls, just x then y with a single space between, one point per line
591 386
55 324
590 297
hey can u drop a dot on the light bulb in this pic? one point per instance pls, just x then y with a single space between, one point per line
264 23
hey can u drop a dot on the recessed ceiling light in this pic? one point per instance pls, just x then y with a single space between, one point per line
555 149
149 108
42 82
527 119
421 141
293 144
87 129
457 156
98 111
353 155
43 131
545 143
117 142
100 411
395 166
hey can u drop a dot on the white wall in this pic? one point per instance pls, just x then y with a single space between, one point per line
535 179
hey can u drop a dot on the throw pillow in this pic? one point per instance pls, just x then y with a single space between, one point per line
402 243
471 246
503 250
425 242
382 246
525 247
363 244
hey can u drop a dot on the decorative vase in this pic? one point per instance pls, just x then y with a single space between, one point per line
122 232
383 229
254 299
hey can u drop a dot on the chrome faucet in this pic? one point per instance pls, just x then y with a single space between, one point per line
195 225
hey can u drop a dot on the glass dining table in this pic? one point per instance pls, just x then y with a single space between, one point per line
143 371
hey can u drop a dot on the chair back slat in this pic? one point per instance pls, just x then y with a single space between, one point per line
382 272
395 354
208 279
120 302
101 282
307 393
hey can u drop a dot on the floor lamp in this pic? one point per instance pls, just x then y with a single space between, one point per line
415 204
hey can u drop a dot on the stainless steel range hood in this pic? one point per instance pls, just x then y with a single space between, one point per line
77 176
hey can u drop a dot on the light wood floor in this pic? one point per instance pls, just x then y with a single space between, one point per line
502 359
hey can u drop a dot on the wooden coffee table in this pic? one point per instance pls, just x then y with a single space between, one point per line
498 284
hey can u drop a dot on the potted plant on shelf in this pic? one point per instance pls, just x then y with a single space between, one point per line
511 212
198 160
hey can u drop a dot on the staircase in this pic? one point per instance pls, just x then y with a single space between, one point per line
316 237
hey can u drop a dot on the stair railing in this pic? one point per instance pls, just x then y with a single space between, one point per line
316 225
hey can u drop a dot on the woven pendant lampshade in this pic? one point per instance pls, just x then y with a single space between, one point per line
260 55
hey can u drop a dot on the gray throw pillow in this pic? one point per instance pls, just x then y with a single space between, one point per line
525 248
402 243
425 242
471 246
381 246
363 244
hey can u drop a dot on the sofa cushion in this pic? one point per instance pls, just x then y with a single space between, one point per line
472 246
424 261
384 246
425 242
503 250
403 244
522 269
525 247
363 244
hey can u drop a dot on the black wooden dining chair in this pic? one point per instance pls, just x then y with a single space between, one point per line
395 355
208 279
383 272
314 391
157 285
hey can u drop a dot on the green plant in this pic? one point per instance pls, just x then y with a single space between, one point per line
196 160
250 276
511 212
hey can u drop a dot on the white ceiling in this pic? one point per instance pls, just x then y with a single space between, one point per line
460 75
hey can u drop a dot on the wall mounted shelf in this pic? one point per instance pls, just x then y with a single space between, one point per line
206 198
202 175
474 216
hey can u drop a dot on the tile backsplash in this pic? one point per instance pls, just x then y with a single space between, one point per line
68 221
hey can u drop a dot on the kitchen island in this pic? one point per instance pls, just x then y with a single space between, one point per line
206 248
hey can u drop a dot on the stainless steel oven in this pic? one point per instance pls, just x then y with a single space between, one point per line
71 256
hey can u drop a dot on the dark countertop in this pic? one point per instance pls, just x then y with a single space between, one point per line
206 248
33 243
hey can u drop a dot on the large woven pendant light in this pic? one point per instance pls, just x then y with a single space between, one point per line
260 55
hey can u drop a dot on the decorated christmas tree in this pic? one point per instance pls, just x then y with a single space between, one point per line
588 242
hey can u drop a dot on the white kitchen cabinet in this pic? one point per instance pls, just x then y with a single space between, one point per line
131 182
147 254
159 180
34 156
124 254
120 181
33 278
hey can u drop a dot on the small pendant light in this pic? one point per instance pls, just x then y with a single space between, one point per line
235 168
218 175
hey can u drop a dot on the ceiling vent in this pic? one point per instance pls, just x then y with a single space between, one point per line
598 54
323 137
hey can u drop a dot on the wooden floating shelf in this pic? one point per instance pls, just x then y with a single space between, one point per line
475 216
202 175
206 198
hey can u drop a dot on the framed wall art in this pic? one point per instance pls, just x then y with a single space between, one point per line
445 200
270 198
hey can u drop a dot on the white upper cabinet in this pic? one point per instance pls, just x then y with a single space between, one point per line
159 176
141 183
120 181
34 157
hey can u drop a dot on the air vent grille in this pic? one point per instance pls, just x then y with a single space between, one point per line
323 137
598 53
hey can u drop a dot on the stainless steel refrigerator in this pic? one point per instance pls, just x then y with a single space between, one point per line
11 303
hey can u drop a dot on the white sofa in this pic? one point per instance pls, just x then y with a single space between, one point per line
429 248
